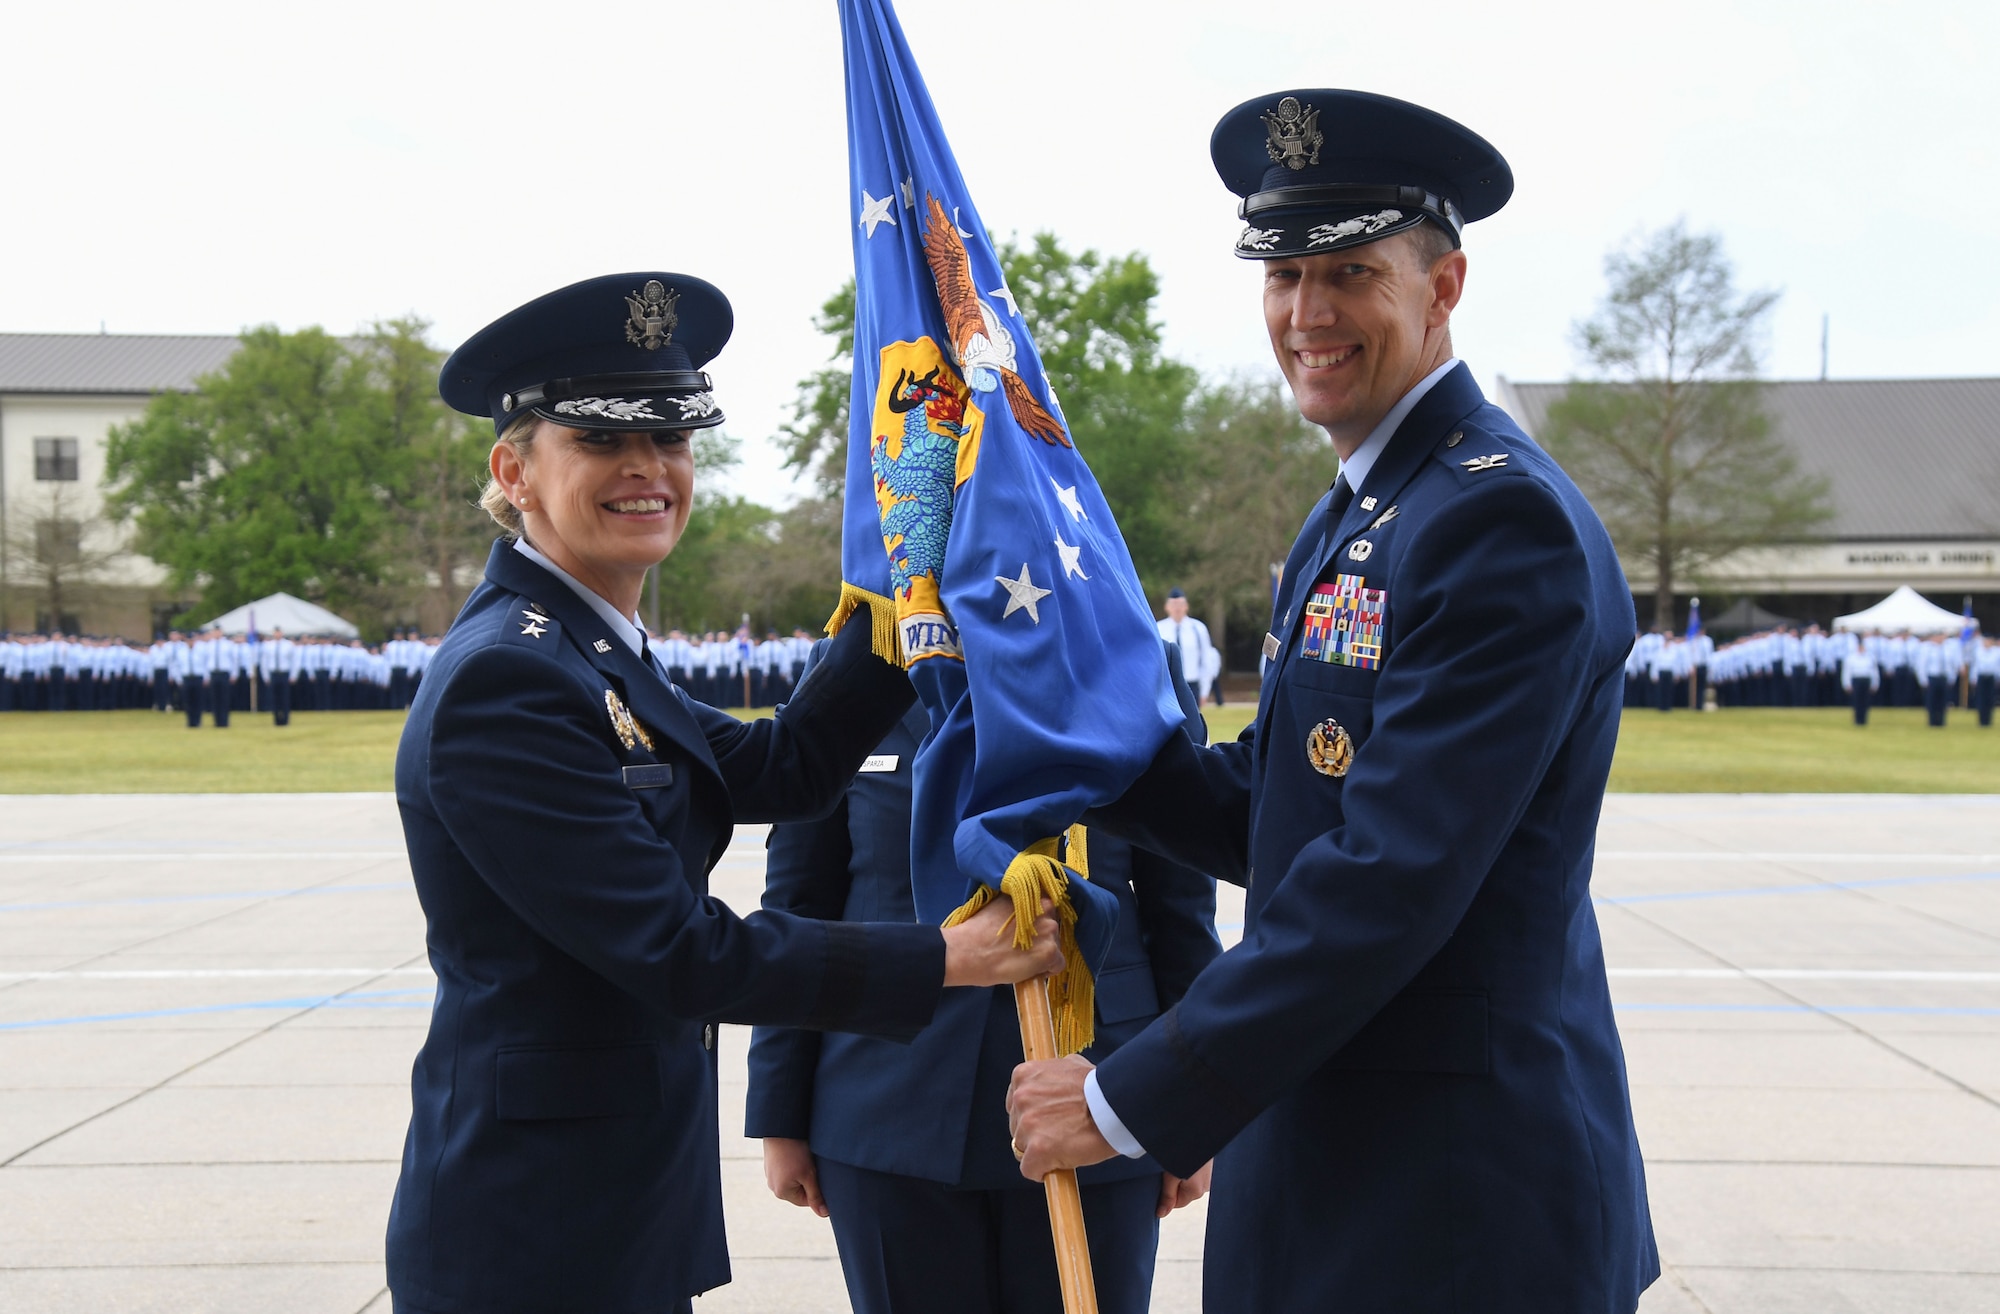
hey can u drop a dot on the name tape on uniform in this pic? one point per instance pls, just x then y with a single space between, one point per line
880 762
650 775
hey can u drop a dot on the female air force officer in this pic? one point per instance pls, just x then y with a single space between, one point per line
563 805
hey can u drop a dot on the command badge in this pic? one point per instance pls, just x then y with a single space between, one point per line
1330 748
630 732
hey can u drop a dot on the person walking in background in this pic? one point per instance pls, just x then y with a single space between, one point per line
1858 677
1199 660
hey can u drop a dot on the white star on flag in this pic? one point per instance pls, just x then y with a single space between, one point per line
1067 496
1072 558
1022 595
874 212
1006 294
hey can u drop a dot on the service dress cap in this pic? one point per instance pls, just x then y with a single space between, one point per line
1322 170
621 352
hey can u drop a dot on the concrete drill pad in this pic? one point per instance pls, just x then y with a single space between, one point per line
1794 1162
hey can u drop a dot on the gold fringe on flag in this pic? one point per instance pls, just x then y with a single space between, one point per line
881 614
1035 875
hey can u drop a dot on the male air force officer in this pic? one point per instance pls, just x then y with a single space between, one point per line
1408 1070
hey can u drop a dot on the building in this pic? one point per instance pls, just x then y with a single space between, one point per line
1914 470
63 565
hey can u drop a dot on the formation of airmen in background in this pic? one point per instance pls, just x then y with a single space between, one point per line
211 675
733 670
1811 668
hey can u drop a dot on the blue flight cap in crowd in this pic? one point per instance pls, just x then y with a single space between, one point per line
1322 170
1175 593
622 352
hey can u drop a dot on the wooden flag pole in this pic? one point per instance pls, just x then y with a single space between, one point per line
1038 1041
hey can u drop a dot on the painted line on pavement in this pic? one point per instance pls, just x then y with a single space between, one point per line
366 999
1712 855
209 855
1795 974
1818 887
210 973
1808 1009
223 896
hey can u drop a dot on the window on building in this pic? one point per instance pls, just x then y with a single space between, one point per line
55 459
58 542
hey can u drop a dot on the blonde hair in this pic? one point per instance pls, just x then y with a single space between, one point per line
519 435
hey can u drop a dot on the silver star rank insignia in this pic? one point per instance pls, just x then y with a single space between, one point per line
1478 463
538 622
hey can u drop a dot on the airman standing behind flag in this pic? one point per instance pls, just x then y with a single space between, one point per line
1408 1069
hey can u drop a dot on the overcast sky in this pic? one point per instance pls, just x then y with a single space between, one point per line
199 167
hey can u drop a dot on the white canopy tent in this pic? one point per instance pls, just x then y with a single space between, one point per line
281 611
1905 611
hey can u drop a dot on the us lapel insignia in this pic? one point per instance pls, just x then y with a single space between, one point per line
630 732
1367 504
1361 549
601 646
538 621
1387 516
1330 748
1478 463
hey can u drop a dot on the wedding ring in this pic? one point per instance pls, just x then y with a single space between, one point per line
1018 1151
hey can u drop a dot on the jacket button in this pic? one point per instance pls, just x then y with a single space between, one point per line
1457 437
708 1037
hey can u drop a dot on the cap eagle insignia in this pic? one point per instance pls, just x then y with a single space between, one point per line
1295 136
981 341
653 318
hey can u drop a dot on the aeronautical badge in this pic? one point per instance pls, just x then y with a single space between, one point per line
630 732
1295 136
654 318
1361 549
1330 748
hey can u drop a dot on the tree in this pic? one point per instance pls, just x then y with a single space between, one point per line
1671 444
56 550
1255 468
437 466
326 468
274 473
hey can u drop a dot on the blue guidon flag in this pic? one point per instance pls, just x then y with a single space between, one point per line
978 544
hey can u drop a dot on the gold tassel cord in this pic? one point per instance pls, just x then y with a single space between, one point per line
884 639
1035 875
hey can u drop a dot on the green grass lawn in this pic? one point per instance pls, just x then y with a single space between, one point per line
1752 750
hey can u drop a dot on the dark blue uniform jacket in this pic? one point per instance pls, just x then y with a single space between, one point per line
562 1152
1411 1057
936 1108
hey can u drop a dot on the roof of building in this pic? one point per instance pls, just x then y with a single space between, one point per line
101 363
1906 458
